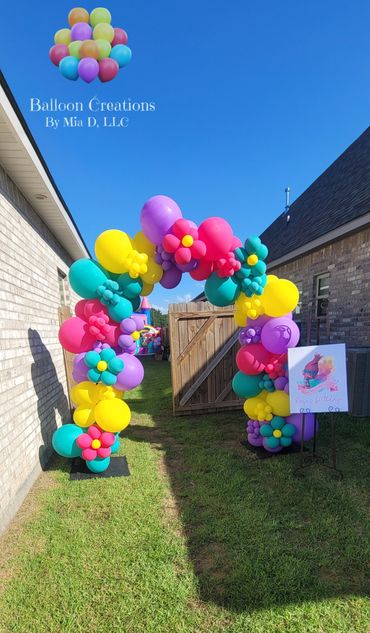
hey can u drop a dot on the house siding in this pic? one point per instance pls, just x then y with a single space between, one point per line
33 389
347 261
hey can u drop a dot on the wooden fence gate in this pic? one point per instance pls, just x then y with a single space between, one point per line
203 346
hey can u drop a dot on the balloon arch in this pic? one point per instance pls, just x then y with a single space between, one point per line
106 326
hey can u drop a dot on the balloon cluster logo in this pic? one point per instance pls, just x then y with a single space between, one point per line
91 47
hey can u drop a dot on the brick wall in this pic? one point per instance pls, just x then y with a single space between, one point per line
33 394
348 263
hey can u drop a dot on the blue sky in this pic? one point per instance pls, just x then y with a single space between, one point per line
250 97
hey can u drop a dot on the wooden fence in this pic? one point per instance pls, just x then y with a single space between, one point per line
203 346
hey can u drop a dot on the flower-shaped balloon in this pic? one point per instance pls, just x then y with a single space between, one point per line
95 443
250 335
104 366
87 395
252 273
266 383
183 242
130 329
277 367
247 308
278 434
228 265
253 433
137 264
109 294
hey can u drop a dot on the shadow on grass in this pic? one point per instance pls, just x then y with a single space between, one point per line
258 536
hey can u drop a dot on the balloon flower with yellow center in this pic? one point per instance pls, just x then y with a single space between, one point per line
278 434
251 276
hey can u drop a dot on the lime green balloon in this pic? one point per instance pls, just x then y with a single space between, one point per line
74 48
100 15
104 48
63 36
103 31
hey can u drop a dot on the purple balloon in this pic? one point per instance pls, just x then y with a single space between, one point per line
132 374
277 449
157 217
253 433
80 368
279 334
280 383
171 278
186 268
88 69
297 419
81 31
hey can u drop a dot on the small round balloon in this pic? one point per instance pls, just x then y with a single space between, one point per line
69 67
103 31
63 36
74 48
108 69
121 54
88 69
78 15
81 31
120 37
99 16
104 48
57 52
89 48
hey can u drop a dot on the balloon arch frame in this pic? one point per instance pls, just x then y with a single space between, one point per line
106 326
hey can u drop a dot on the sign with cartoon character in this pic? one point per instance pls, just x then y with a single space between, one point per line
318 379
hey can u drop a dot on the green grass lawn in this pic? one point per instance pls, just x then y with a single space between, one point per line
203 537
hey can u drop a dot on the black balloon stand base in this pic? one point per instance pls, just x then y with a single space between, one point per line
118 467
261 453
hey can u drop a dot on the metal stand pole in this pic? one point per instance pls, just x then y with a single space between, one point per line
305 462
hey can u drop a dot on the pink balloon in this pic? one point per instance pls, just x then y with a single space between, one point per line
252 359
202 271
108 69
58 52
279 334
74 336
120 37
236 243
217 235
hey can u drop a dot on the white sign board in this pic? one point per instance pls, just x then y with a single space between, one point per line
318 379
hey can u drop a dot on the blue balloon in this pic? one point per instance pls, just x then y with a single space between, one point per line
85 277
121 54
64 440
115 447
68 66
98 465
122 310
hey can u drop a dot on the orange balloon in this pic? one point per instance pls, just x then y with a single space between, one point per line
89 48
78 15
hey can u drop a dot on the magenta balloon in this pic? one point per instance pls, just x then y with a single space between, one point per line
81 31
58 52
88 69
132 374
157 217
279 334
75 337
217 235
297 419
171 278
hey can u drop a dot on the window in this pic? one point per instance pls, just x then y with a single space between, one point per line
298 309
322 295
63 288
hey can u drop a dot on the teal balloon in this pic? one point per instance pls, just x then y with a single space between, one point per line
221 291
64 440
121 54
68 66
98 465
91 359
85 276
131 288
122 310
135 304
272 442
246 386
115 447
285 441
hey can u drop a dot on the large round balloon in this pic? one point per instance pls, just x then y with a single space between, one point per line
112 248
88 69
81 31
132 374
63 36
171 278
78 15
278 334
69 67
297 420
246 386
157 217
221 291
252 359
100 15
64 440
85 276
279 297
108 69
279 402
217 235
202 271
143 245
112 415
121 54
58 52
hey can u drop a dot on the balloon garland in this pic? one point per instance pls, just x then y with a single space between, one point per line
91 47
104 330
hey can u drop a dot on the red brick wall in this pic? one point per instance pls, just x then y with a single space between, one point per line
348 263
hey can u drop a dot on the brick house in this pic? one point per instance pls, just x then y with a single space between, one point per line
38 242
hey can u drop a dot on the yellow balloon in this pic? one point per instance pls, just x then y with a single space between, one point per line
280 296
112 248
146 289
154 273
279 403
112 415
247 308
63 36
83 393
142 244
103 31
258 408
83 416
